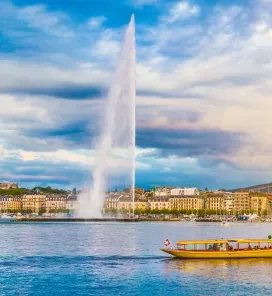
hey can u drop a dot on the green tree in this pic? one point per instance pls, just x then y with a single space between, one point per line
123 211
155 211
137 211
201 213
174 212
42 211
26 211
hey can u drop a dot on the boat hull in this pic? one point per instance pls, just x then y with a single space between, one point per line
186 254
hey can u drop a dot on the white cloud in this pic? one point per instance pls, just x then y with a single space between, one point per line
96 22
32 75
36 17
221 70
107 47
182 10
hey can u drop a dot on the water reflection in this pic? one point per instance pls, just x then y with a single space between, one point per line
257 271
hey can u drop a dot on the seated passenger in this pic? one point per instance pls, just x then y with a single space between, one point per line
210 247
249 247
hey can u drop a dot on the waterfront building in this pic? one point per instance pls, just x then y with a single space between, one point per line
259 204
10 203
125 203
184 191
228 202
162 191
241 202
269 205
215 201
111 200
34 202
159 203
186 202
8 185
72 203
55 202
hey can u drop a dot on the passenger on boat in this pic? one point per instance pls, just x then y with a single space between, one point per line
249 247
210 247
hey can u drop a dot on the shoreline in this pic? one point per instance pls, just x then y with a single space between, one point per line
126 220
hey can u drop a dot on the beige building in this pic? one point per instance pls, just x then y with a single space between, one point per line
8 185
55 202
163 191
72 203
269 205
13 203
112 198
125 203
186 203
159 203
34 202
215 201
184 191
241 202
259 204
228 202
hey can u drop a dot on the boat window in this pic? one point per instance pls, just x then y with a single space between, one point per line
190 247
181 247
200 247
243 246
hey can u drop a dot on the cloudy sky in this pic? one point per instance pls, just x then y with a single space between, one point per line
204 91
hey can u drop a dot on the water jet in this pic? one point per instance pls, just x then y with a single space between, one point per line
117 132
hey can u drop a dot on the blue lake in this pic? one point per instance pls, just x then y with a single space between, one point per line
124 259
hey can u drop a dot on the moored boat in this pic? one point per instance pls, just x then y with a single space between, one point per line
221 248
5 218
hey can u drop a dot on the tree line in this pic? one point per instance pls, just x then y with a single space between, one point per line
175 212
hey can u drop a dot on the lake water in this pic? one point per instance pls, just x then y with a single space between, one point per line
124 259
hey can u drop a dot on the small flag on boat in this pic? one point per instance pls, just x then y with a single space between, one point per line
167 242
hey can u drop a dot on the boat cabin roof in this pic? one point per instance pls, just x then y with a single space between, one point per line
208 241
224 241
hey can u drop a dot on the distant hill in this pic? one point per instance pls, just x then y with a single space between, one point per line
262 187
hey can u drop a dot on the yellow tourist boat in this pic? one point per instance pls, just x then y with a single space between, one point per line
221 248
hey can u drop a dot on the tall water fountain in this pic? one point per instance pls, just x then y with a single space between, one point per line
115 149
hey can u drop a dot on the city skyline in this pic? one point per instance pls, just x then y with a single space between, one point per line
203 93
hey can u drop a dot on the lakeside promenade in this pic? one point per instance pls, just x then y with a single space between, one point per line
136 219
